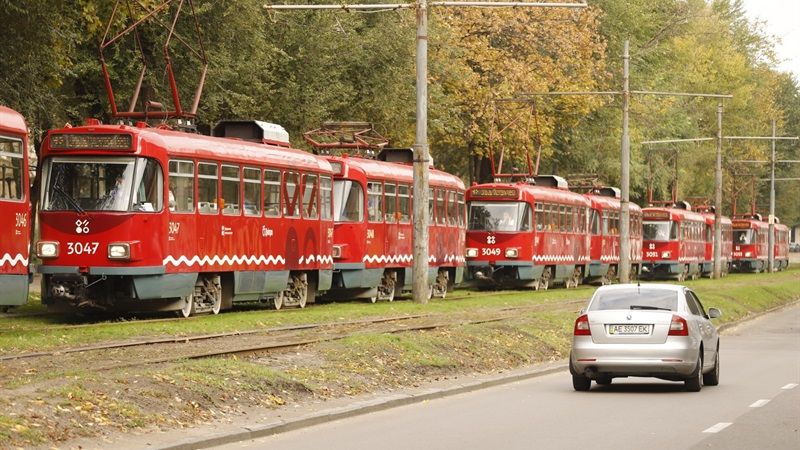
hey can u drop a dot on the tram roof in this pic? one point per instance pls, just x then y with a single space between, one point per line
606 202
383 170
12 121
674 213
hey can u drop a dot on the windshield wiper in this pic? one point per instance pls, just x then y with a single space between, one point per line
648 307
68 198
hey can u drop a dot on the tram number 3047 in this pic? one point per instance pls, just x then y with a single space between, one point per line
82 248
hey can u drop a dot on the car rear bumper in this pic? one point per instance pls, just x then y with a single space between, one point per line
673 358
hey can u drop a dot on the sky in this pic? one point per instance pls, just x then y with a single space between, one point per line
782 21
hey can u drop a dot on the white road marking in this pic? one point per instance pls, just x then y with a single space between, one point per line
718 427
790 386
759 403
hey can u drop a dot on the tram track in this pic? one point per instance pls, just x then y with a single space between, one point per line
106 357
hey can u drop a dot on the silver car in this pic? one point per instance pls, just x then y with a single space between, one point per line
650 330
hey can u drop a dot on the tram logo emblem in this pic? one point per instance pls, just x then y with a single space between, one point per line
266 232
82 226
491 239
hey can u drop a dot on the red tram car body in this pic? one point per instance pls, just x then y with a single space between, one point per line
373 246
750 244
674 243
150 218
605 231
528 235
15 209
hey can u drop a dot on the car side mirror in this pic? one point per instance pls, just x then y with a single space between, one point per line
714 313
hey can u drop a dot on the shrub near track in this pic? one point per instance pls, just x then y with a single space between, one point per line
181 394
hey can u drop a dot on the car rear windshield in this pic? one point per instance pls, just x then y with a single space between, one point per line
636 298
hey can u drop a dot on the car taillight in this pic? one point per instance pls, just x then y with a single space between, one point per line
678 326
582 326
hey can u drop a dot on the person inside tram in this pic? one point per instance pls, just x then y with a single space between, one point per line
507 223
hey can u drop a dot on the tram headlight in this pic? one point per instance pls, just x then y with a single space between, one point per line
336 252
748 254
119 250
46 249
666 255
472 253
512 252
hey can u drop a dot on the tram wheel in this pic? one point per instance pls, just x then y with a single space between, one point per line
544 281
277 302
682 275
388 287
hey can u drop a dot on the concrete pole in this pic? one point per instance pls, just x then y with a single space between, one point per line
771 240
718 199
625 176
420 287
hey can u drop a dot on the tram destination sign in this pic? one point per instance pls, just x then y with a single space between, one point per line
494 192
738 225
656 215
91 141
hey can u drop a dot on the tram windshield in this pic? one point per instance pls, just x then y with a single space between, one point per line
660 231
743 237
348 201
499 216
105 184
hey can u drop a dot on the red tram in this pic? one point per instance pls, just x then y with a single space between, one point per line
751 244
604 229
522 234
674 242
373 248
15 210
154 219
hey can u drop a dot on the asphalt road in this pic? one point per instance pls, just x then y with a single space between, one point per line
756 405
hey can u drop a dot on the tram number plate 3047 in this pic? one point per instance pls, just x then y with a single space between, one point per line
628 329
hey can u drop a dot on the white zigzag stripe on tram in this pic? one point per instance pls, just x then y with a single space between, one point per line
322 259
213 260
13 260
386 259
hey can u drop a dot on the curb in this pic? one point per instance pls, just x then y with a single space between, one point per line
357 409
394 401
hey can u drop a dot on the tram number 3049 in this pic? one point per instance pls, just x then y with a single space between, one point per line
82 248
490 251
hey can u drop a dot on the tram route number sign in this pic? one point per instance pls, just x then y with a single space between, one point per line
494 192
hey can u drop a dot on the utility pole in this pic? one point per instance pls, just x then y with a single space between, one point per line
625 176
420 286
717 272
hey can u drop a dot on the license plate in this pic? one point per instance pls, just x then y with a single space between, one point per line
628 329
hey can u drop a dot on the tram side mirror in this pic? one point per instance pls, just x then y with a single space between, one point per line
714 313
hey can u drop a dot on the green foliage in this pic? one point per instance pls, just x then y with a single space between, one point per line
300 68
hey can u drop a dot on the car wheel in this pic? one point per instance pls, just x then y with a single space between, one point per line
712 378
581 383
695 381
603 380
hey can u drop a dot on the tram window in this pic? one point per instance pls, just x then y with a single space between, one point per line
539 216
431 203
272 193
310 194
570 219
292 191
595 222
149 192
391 202
326 198
606 224
525 218
404 203
441 210
230 190
11 169
375 201
452 208
461 210
348 201
252 192
181 186
207 188
743 237
615 223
